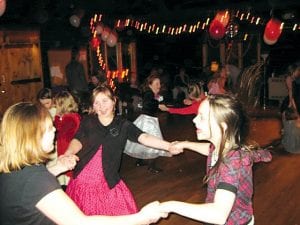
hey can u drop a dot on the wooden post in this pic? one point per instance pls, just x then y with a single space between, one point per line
119 61
204 55
258 47
240 55
133 63
222 53
106 57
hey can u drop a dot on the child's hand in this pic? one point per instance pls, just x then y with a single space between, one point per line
175 148
163 107
187 101
151 213
67 162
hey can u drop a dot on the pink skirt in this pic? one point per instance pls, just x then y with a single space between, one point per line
90 191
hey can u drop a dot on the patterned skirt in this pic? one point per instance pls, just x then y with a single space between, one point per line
90 191
150 125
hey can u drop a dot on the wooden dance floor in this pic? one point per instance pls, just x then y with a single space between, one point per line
276 184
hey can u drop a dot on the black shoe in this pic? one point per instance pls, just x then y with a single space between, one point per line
154 170
140 162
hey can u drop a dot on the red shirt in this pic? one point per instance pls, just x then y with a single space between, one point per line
66 127
188 110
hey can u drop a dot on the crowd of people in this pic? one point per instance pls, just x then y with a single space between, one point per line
60 157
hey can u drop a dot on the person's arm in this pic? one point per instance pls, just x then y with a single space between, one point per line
200 147
58 207
155 142
163 107
214 213
289 85
74 147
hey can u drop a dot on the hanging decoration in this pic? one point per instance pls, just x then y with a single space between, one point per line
95 42
2 7
112 39
272 31
223 17
75 19
216 30
105 33
232 29
99 28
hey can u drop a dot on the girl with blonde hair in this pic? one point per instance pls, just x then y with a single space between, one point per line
30 194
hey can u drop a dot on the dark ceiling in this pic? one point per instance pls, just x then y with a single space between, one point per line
52 16
42 11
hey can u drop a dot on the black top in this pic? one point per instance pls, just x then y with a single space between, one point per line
92 134
20 191
150 104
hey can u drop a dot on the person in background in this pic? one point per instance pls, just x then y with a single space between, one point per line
94 82
75 75
218 83
181 82
45 98
66 122
222 127
196 96
30 193
96 186
291 132
148 122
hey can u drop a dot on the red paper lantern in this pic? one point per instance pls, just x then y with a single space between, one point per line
223 17
105 33
216 30
99 28
273 30
95 42
112 39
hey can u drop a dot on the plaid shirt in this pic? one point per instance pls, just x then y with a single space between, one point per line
235 174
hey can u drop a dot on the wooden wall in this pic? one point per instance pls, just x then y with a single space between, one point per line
57 61
20 66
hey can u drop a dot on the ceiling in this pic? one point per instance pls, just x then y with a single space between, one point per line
52 16
42 11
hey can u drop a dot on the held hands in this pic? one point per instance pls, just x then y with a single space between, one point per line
175 148
187 101
152 212
163 107
67 162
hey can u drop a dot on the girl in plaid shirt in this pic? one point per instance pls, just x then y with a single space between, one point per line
222 126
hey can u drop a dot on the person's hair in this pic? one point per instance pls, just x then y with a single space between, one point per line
22 129
229 110
290 114
44 93
292 68
149 80
74 52
65 103
105 89
195 90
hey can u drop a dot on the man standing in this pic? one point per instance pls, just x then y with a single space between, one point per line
76 77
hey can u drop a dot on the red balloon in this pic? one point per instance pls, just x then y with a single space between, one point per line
273 29
216 30
269 42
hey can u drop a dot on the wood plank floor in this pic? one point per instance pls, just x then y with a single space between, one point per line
276 184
